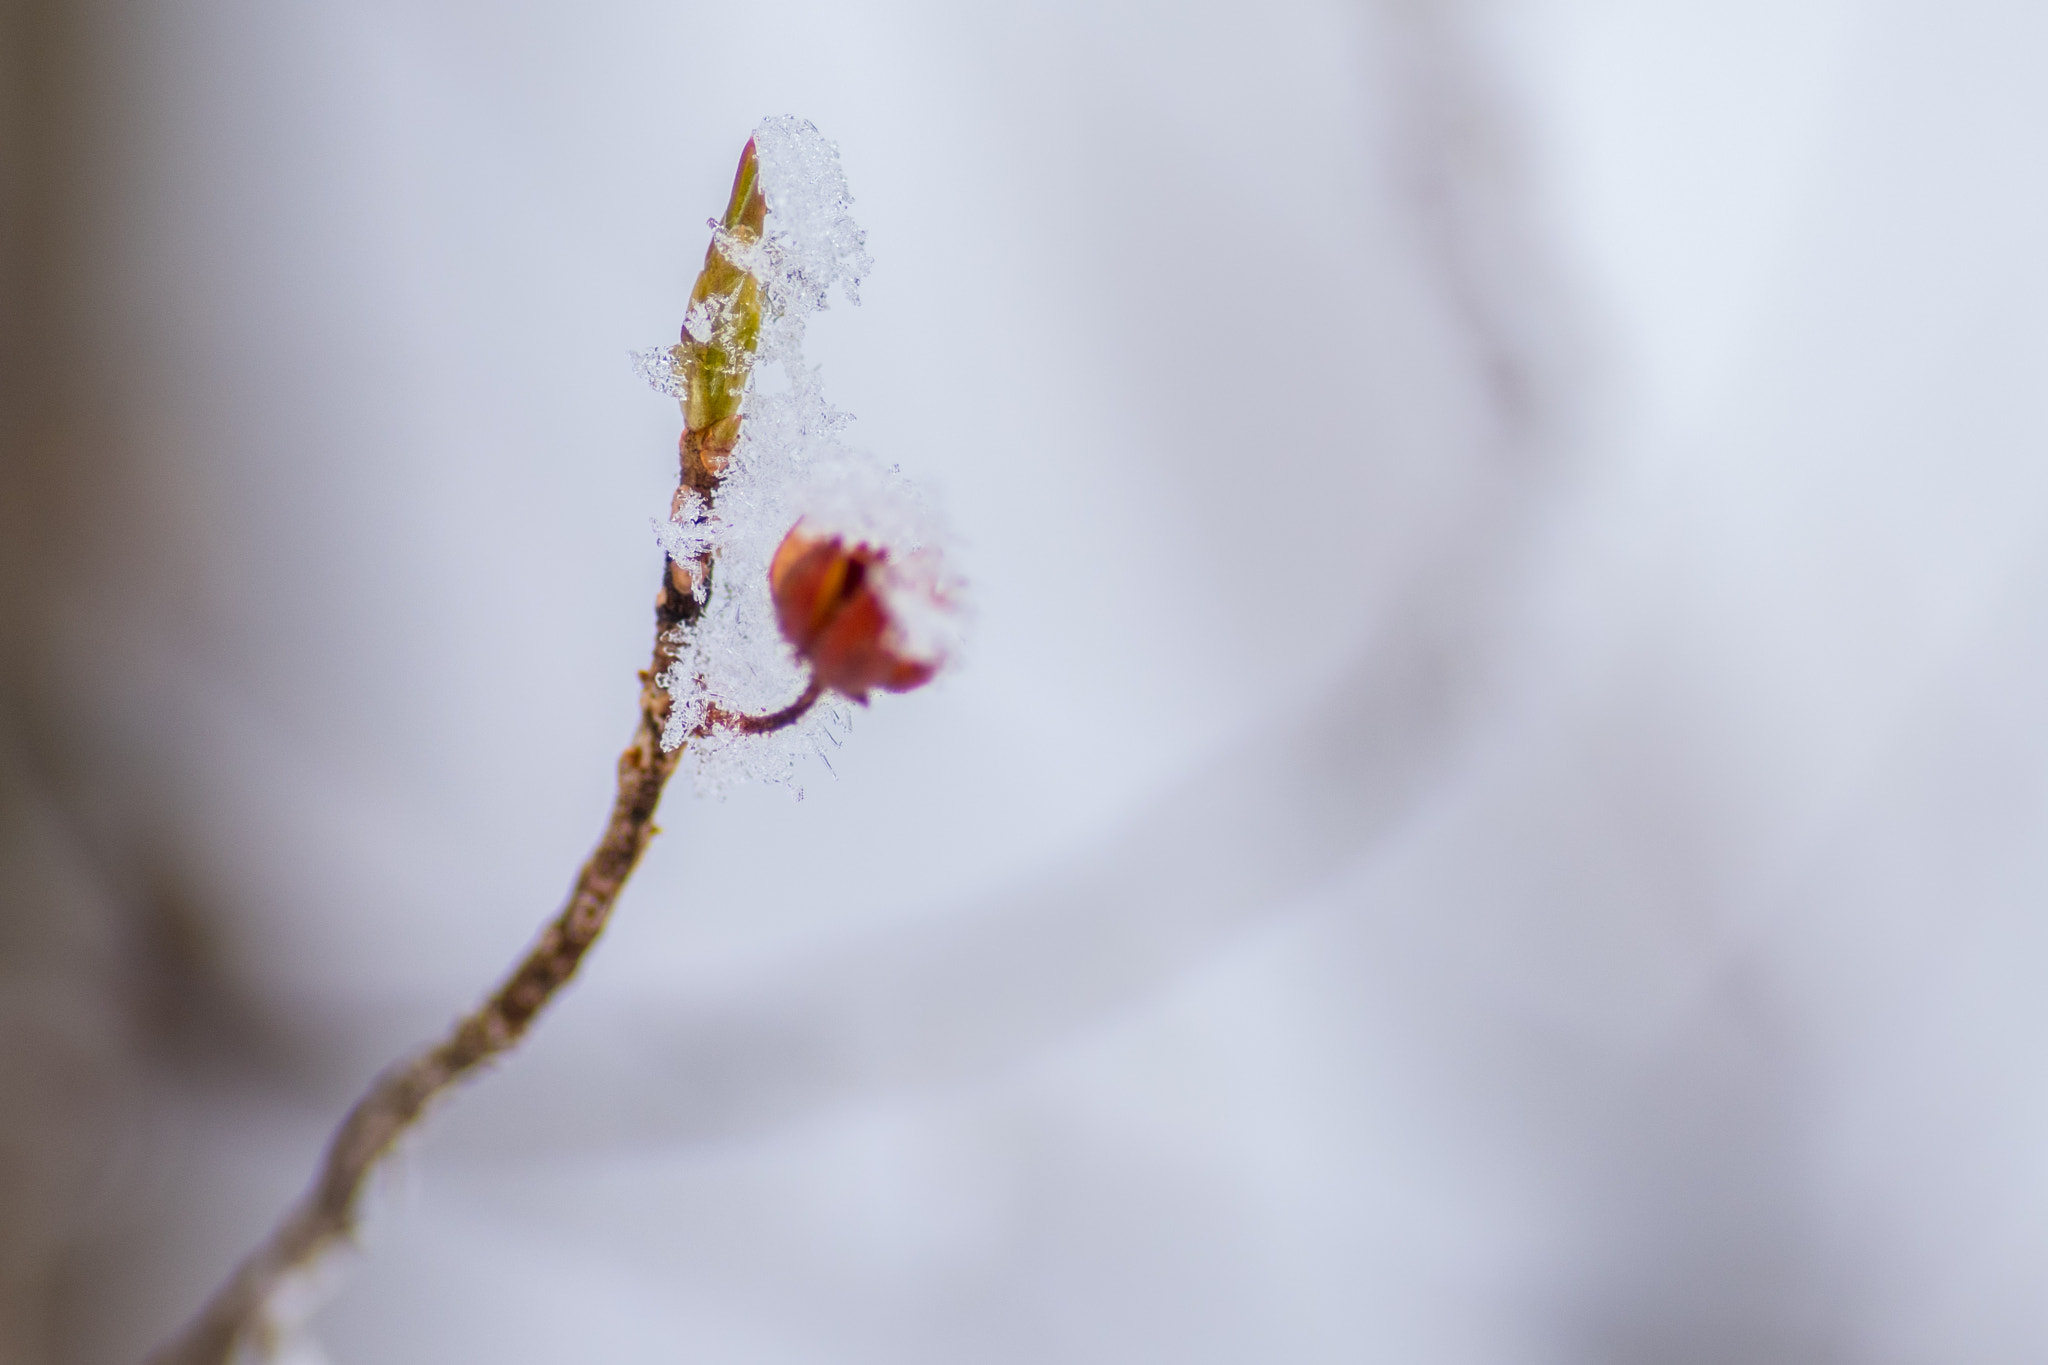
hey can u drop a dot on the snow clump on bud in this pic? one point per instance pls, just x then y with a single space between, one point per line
791 468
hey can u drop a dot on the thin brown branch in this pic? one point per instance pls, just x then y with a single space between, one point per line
238 1313
715 374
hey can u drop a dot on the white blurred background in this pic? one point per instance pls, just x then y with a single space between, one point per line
1495 809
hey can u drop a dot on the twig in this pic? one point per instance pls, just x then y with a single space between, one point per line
715 373
239 1312
830 611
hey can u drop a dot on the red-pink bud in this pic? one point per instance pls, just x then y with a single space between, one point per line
833 602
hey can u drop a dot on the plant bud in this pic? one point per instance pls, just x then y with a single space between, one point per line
842 608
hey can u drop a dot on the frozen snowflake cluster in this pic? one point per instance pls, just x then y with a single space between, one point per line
791 465
812 245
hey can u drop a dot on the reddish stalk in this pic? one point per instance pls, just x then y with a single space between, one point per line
716 717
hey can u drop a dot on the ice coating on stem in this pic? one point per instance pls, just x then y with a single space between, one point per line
791 462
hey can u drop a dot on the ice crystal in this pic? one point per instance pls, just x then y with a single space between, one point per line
701 322
662 368
812 243
689 532
791 462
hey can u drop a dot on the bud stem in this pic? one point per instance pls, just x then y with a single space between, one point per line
718 718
